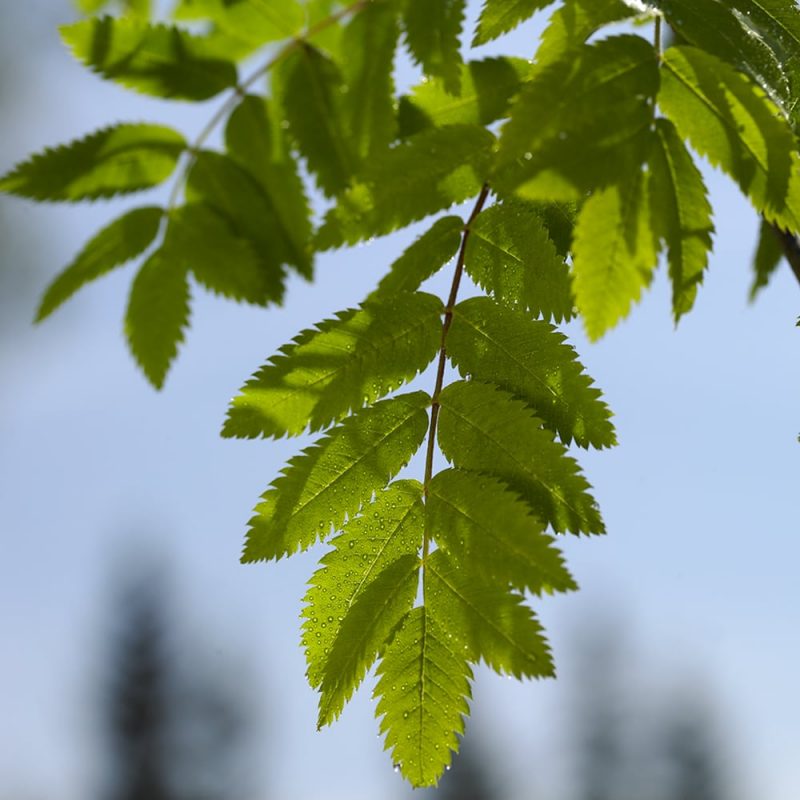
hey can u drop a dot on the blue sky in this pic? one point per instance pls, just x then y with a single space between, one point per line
699 568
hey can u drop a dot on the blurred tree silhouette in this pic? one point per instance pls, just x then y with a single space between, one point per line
173 731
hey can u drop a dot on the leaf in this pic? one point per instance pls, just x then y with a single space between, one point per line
219 182
487 87
768 256
500 16
531 360
575 123
420 176
114 245
205 244
484 429
729 119
157 315
433 31
256 142
681 214
311 98
423 692
748 36
571 26
614 253
424 258
260 21
121 159
491 622
370 41
510 254
364 631
485 527
158 60
333 478
343 364
390 527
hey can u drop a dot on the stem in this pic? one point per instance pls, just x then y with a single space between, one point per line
657 36
241 89
448 320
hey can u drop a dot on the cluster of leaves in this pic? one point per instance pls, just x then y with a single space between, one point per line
581 177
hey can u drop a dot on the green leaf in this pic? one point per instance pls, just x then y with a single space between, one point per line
333 478
760 37
486 90
339 366
575 123
219 182
681 214
491 622
510 255
158 60
500 16
424 258
768 256
157 315
484 429
311 96
257 21
433 32
574 23
204 243
369 42
614 253
423 692
116 244
420 176
531 360
729 119
485 527
388 528
117 160
364 631
256 142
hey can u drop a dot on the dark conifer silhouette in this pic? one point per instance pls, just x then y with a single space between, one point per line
173 732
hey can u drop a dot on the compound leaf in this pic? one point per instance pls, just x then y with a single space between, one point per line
122 159
423 692
531 360
341 365
510 254
157 315
681 214
433 32
500 16
366 627
485 429
333 478
388 528
113 246
158 60
422 259
726 117
486 527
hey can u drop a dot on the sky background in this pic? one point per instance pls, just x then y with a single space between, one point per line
698 575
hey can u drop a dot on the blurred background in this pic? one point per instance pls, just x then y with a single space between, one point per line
141 661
